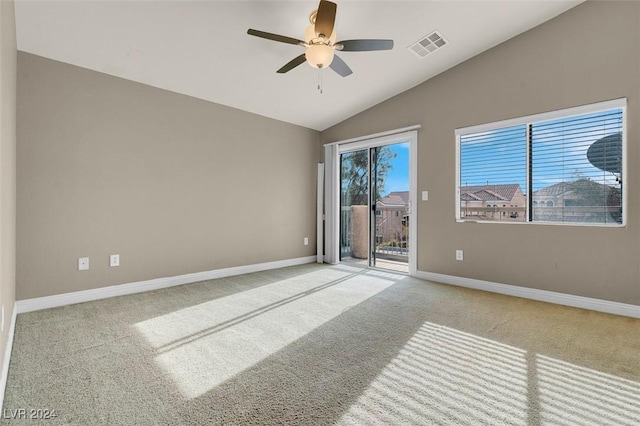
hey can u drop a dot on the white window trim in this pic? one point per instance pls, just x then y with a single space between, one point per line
546 116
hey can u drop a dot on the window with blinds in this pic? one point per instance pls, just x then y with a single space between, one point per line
559 167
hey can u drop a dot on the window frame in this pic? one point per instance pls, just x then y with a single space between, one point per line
620 103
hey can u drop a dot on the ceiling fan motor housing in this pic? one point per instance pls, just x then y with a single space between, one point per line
320 50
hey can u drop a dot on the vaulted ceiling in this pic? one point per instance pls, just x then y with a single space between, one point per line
201 48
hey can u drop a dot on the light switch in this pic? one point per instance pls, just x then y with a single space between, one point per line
425 195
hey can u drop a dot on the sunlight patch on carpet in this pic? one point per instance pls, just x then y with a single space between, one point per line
202 346
444 376
571 395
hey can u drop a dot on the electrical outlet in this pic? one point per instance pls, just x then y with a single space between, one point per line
83 264
306 241
114 260
425 195
459 255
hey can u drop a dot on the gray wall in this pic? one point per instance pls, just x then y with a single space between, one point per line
8 55
589 54
172 184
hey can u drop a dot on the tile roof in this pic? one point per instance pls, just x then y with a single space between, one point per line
504 192
396 198
566 188
553 190
465 196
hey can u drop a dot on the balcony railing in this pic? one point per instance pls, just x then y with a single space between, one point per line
398 251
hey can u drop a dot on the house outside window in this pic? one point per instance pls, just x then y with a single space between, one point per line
393 227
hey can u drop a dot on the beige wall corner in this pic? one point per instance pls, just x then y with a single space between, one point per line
8 55
589 54
173 184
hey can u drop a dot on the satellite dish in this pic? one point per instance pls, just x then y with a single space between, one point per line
606 153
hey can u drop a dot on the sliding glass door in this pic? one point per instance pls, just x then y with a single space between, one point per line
375 206
354 205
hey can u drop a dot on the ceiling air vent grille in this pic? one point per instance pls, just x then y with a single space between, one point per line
428 44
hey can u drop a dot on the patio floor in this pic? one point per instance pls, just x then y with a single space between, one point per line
390 265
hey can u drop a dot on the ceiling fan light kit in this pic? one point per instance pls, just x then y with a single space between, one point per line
320 48
319 55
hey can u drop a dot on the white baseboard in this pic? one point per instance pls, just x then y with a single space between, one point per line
535 294
29 305
7 355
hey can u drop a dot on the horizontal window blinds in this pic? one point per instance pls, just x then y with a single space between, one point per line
576 168
567 169
493 172
494 157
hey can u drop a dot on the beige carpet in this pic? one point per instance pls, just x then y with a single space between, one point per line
319 344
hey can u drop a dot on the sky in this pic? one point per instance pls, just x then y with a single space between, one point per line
398 177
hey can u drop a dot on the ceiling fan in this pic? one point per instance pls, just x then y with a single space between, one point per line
320 42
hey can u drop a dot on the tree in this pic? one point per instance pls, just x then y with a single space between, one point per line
354 174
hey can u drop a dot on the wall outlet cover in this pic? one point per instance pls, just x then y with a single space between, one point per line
83 264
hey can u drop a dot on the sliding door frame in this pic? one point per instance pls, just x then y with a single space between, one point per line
333 188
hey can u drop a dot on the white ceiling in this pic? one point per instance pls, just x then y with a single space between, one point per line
201 49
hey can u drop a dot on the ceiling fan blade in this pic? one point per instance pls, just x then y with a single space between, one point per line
275 37
325 18
365 45
292 64
339 66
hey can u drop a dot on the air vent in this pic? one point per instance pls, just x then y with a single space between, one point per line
428 44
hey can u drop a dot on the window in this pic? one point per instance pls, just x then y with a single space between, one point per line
559 167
